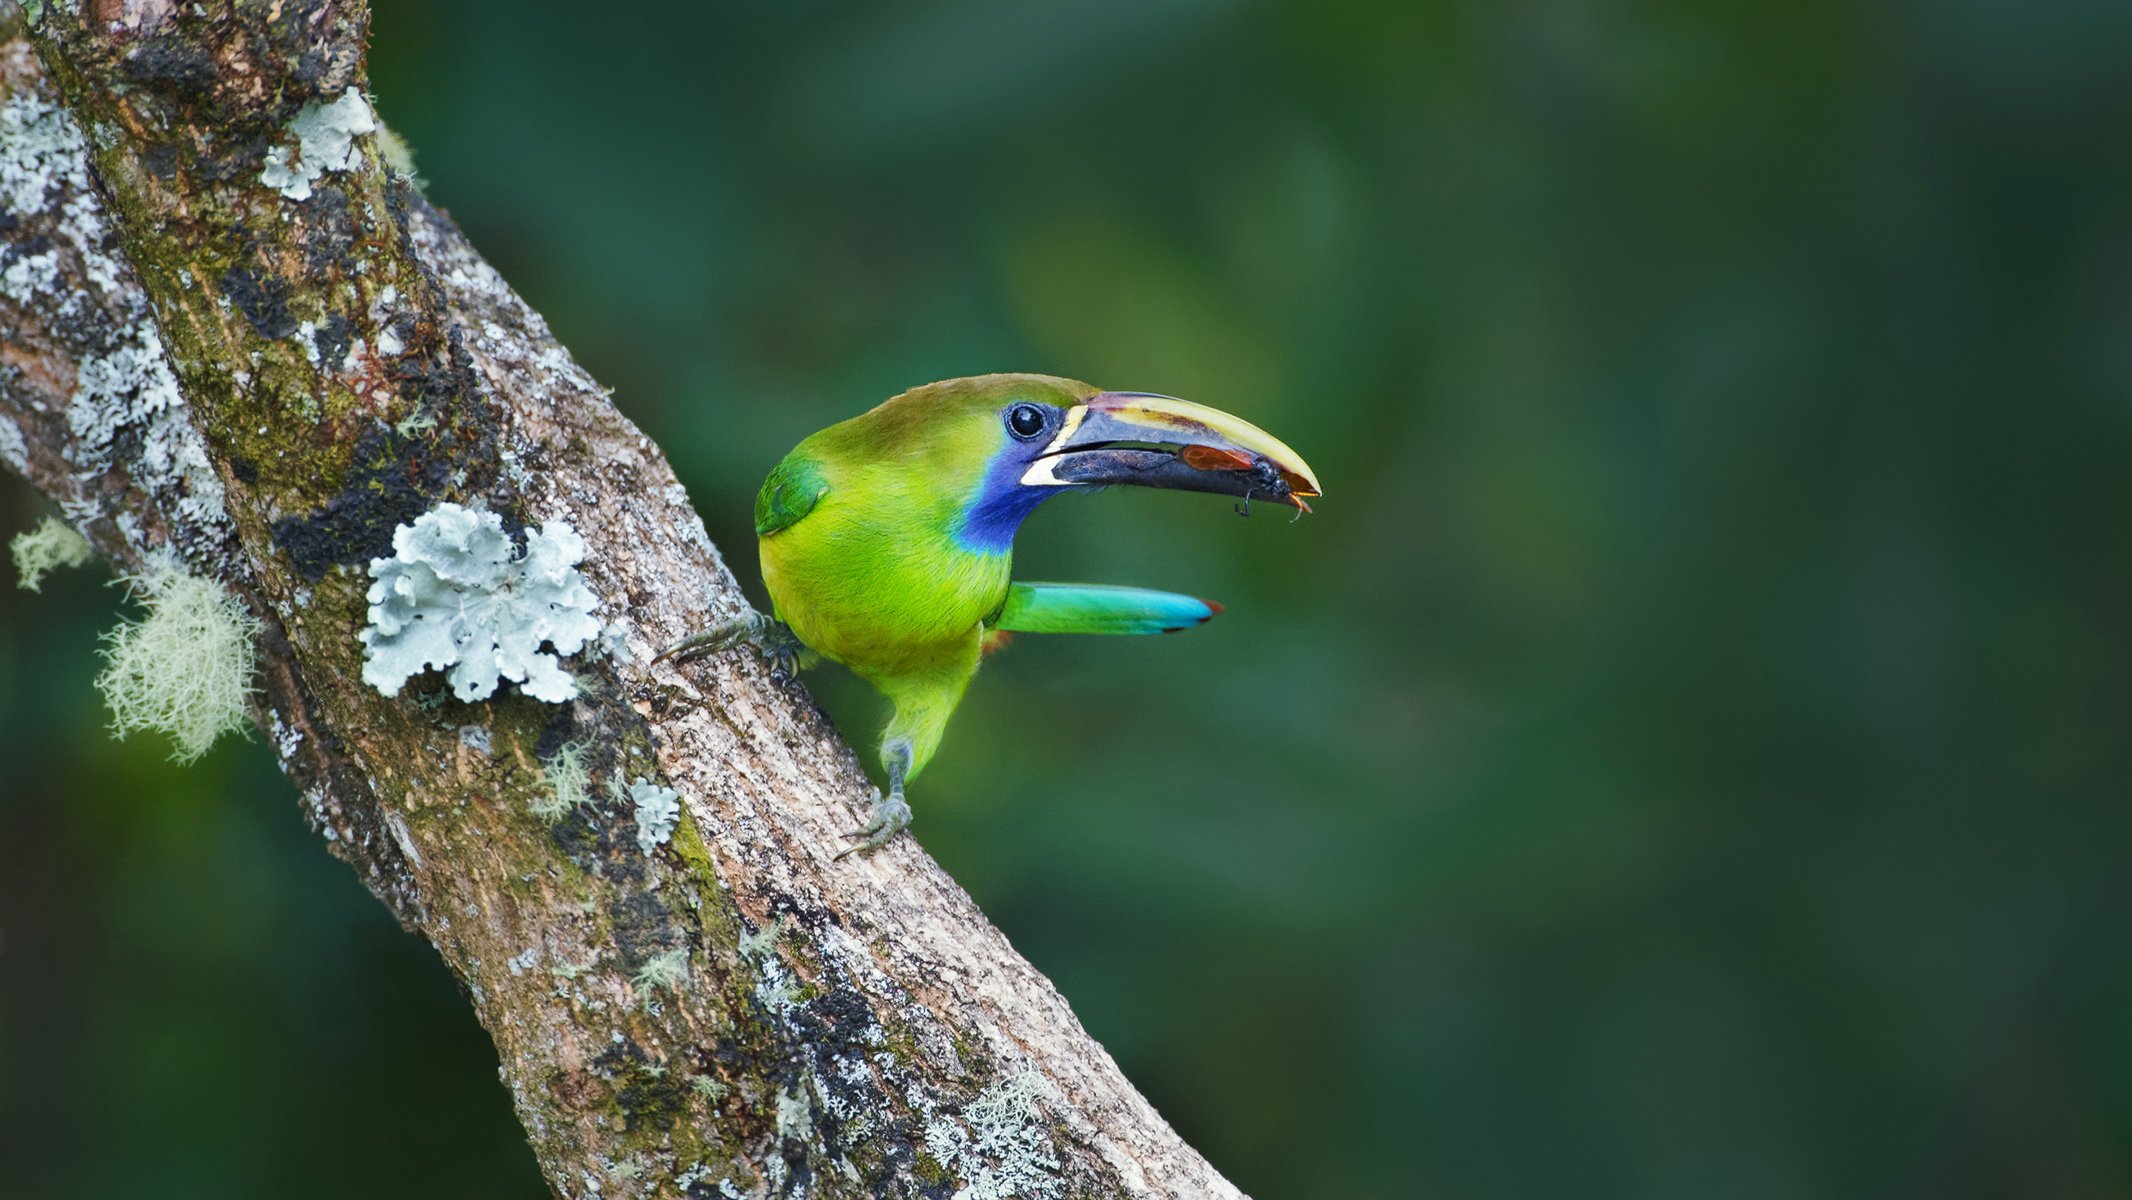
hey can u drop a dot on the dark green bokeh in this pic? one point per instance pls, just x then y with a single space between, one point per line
1686 756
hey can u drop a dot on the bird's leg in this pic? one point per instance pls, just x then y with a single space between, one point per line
771 636
891 815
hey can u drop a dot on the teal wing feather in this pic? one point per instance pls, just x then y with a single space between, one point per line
791 492
1098 608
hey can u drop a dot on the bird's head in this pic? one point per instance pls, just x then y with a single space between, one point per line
1030 437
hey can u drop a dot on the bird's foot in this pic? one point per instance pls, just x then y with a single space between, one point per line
890 816
769 635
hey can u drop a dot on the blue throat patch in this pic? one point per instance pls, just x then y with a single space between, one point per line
998 508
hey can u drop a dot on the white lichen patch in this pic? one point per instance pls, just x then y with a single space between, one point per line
658 808
457 593
855 1122
325 136
50 546
131 387
13 450
568 781
287 738
186 667
44 150
997 1145
125 394
30 274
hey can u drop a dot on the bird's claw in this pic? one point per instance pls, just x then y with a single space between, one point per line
769 635
710 641
783 653
890 816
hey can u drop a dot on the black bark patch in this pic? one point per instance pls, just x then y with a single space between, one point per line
161 160
577 836
647 1095
432 380
238 156
331 339
643 923
172 64
797 1173
391 481
127 442
311 67
648 1099
264 302
329 230
29 247
560 730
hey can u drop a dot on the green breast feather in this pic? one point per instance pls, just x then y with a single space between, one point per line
790 493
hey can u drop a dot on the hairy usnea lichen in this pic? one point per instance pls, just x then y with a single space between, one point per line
50 546
185 668
566 781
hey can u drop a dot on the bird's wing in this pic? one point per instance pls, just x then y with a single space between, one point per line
788 494
1098 608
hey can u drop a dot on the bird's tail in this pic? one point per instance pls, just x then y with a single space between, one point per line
1099 608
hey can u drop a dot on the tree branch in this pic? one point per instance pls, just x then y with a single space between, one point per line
214 347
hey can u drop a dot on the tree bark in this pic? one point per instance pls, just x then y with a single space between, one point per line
196 361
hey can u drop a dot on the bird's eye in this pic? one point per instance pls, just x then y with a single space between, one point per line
1025 421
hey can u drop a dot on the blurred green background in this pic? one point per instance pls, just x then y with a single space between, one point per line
1686 756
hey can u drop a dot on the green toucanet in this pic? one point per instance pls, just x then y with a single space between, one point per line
887 539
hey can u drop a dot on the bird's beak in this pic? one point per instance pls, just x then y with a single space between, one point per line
1159 441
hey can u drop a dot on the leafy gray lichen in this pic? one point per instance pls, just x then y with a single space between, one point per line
53 544
184 669
456 593
657 810
325 135
795 1115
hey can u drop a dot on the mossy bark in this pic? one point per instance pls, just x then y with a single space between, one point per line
733 1014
